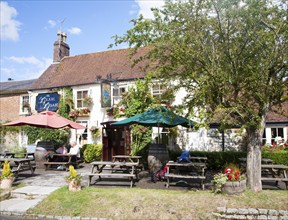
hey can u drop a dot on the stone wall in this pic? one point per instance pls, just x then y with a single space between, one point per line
250 213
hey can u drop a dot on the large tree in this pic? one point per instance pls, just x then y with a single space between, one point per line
229 55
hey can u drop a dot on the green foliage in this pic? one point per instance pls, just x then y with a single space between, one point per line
142 137
73 176
219 160
8 131
92 152
231 57
138 98
66 103
6 173
59 136
218 182
277 157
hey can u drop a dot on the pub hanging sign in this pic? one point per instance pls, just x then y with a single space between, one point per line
47 102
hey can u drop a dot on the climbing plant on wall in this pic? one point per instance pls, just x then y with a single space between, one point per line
66 103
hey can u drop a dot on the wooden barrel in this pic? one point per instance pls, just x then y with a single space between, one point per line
157 156
40 158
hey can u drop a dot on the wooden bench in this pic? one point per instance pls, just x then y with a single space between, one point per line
111 175
171 176
50 163
71 160
277 179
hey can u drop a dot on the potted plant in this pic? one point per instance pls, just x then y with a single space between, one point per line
73 180
73 113
95 132
84 111
7 176
88 101
230 181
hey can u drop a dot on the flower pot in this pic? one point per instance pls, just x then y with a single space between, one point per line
73 186
236 187
6 183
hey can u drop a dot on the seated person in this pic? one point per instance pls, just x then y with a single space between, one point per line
74 150
184 157
62 150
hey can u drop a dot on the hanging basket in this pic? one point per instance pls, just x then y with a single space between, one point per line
234 187
6 183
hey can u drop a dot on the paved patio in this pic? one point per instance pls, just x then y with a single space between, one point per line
55 178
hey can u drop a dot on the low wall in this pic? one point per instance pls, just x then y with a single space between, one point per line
250 213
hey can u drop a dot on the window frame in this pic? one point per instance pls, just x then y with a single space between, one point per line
117 97
22 102
81 99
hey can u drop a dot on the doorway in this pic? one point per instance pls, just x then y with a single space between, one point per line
115 141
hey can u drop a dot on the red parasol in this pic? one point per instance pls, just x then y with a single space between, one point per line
46 119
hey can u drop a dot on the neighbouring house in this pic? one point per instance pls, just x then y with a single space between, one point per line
98 80
14 103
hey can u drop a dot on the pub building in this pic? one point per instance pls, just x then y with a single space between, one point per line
97 81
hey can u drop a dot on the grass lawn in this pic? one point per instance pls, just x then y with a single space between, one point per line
119 203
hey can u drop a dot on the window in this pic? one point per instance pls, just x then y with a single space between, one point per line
117 94
25 104
157 90
80 98
277 135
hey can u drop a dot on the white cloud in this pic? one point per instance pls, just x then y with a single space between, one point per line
52 23
146 5
24 67
9 26
74 30
30 60
7 70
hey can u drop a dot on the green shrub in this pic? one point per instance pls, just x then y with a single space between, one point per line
92 152
277 157
217 160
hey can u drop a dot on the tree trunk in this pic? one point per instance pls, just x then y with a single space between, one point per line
254 157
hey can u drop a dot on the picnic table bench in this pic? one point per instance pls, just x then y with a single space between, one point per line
62 159
276 172
192 170
114 170
19 164
129 158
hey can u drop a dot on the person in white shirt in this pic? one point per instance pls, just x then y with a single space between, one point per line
74 150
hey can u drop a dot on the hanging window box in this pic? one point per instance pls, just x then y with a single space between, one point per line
84 112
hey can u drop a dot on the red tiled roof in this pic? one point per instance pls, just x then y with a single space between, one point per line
278 114
84 69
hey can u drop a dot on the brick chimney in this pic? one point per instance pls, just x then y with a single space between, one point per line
61 48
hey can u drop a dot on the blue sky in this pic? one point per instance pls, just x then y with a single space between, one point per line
29 29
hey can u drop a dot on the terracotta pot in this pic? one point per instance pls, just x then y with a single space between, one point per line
234 187
6 183
73 186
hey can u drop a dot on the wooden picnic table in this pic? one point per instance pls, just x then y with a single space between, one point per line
192 170
20 164
276 172
17 155
114 169
127 158
62 159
